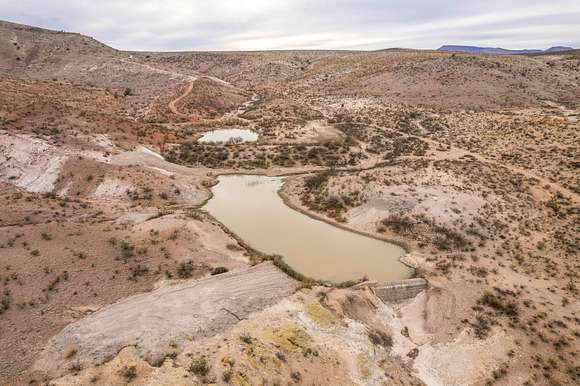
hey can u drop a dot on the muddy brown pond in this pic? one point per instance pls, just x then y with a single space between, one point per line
251 207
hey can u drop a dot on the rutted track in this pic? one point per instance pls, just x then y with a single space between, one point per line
173 104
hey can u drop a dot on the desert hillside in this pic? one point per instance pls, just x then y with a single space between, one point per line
113 271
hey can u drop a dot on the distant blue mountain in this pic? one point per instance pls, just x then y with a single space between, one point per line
558 49
499 51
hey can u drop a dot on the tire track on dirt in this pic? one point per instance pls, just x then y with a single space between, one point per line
173 104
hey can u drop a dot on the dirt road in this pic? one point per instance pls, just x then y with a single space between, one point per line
173 104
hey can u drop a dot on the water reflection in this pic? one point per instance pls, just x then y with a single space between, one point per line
229 136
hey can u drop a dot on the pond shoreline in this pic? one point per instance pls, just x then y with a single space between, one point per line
343 277
403 259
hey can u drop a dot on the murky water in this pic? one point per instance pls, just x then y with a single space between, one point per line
229 135
251 207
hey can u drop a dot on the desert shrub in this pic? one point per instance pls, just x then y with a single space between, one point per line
281 357
318 180
129 373
81 255
227 375
447 239
199 366
62 277
499 304
138 271
403 146
478 271
127 250
481 327
380 338
185 270
233 247
219 270
246 338
498 374
399 224
296 376
284 267
5 301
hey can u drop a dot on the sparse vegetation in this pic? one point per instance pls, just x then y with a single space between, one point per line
199 366
381 338
129 373
185 270
5 301
470 161
218 270
399 224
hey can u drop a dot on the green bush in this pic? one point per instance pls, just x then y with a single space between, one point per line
219 270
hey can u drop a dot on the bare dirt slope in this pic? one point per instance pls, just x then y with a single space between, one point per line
24 46
429 79
196 310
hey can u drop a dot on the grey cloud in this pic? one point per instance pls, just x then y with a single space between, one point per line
277 24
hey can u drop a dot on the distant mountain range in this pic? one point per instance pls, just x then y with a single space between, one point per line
500 51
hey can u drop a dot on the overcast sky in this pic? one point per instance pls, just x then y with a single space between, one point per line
329 24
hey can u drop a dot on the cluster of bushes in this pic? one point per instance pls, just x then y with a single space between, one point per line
126 249
185 269
448 239
137 271
250 156
399 224
140 194
405 146
499 302
54 282
317 197
443 238
558 203
318 180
